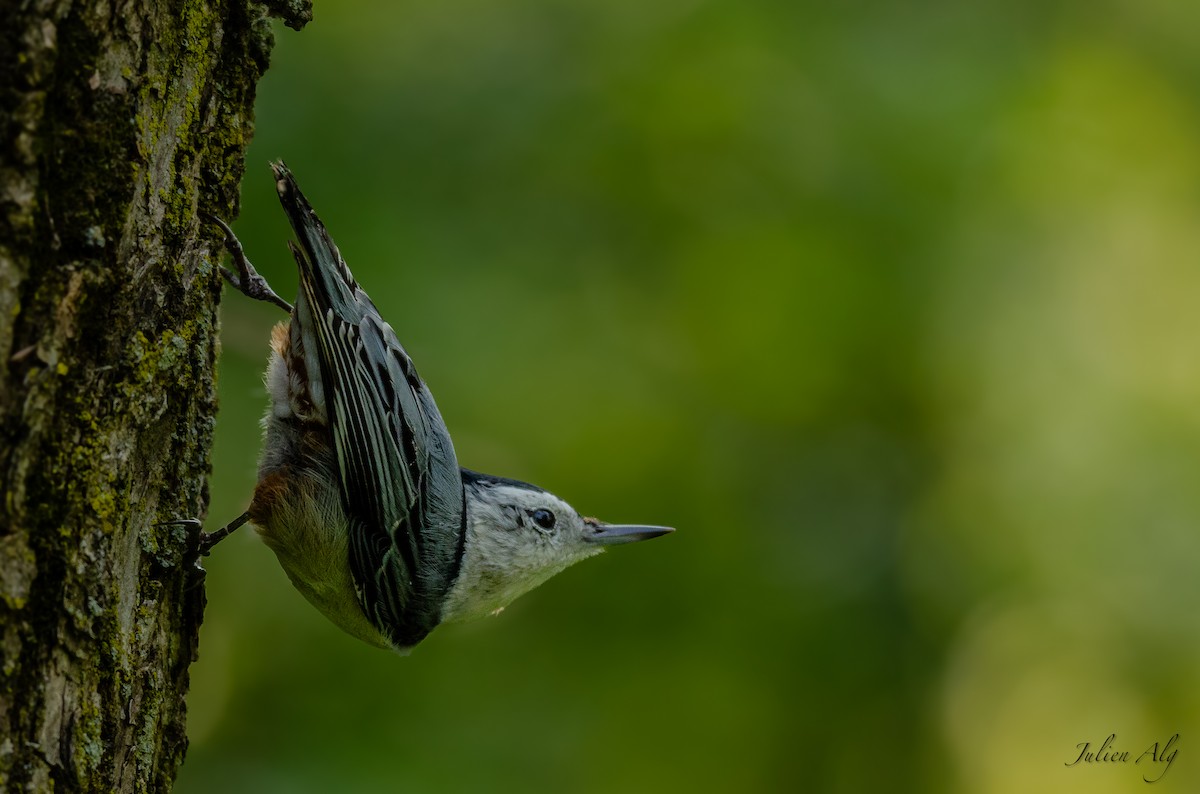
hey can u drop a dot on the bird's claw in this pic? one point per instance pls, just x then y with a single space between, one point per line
246 280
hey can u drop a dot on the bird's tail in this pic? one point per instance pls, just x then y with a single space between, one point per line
325 280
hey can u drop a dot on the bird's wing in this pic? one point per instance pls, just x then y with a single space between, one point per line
398 474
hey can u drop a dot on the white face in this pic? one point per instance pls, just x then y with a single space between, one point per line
538 529
518 536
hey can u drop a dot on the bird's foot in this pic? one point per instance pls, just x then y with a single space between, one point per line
206 540
246 280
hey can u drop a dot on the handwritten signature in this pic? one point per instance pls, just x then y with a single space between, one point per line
1162 755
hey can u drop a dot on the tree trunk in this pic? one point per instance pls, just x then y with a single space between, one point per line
120 121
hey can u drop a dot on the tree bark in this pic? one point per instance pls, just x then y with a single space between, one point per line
120 122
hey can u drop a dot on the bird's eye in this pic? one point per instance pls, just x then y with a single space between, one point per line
543 518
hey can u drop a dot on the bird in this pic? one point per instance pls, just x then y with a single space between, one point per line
359 492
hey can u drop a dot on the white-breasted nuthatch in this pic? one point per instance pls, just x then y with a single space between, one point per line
359 492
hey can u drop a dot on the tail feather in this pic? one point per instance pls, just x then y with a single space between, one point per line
324 276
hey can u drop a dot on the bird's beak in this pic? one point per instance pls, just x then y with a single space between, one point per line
612 534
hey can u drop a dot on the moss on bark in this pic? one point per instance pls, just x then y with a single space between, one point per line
120 123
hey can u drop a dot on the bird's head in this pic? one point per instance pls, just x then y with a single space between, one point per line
519 536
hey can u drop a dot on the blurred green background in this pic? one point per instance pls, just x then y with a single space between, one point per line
893 309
